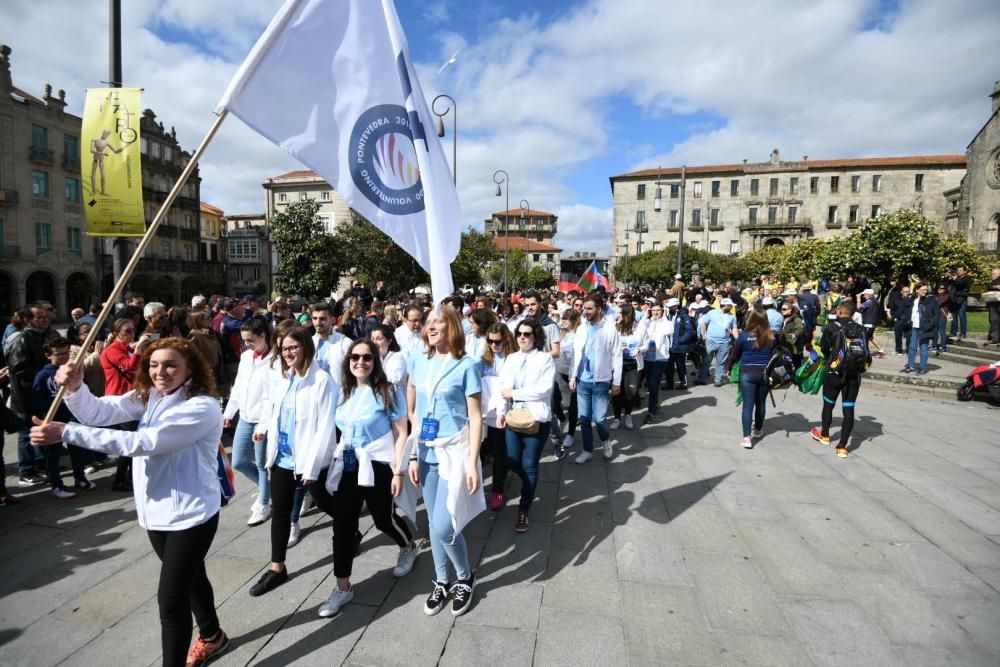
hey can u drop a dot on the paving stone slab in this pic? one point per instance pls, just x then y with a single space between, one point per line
704 527
735 596
47 641
734 648
834 539
575 638
839 632
789 564
647 550
471 644
308 639
665 625
581 584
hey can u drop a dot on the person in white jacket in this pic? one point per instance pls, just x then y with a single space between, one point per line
632 335
596 373
331 346
393 360
659 337
371 416
299 428
527 379
247 398
174 478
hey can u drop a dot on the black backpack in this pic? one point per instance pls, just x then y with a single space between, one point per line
850 355
780 369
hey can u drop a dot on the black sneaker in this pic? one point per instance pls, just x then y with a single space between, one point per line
461 595
648 419
30 479
560 452
269 581
521 526
437 599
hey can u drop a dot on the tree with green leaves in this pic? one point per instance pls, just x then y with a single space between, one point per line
476 258
517 271
371 256
308 263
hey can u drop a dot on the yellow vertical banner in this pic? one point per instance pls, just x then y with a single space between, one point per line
110 163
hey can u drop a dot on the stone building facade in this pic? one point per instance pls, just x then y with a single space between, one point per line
44 251
249 258
978 208
736 208
540 226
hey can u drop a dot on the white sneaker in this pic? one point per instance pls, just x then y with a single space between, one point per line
337 599
747 443
629 424
294 535
307 504
62 494
615 424
259 514
608 452
404 563
583 457
567 442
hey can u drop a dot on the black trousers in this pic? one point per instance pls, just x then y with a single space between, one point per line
347 501
994 313
184 587
496 445
847 388
901 331
677 365
572 416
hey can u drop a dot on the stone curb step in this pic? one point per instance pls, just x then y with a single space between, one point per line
907 388
911 380
968 357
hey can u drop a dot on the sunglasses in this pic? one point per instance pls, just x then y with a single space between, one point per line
495 341
367 358
291 349
126 331
525 334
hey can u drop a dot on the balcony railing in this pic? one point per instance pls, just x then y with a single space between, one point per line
168 231
71 162
189 234
8 197
833 224
41 154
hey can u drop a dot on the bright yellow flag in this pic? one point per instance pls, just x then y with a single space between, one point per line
111 163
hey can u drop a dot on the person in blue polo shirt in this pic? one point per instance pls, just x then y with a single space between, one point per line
718 328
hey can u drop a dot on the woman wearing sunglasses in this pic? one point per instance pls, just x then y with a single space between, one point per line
371 417
298 425
499 346
527 379
443 400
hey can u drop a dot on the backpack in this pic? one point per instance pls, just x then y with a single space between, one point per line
780 369
850 354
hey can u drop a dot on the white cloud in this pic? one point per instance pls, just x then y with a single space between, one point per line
436 12
537 99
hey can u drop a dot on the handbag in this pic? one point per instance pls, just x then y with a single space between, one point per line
227 478
522 421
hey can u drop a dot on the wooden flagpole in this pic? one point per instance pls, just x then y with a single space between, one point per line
129 269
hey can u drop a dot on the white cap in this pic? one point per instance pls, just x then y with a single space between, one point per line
767 301
789 292
868 291
726 302
673 302
677 276
651 300
806 286
705 304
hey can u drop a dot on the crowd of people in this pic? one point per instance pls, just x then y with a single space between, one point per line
375 400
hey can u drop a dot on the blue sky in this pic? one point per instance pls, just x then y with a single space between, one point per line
565 93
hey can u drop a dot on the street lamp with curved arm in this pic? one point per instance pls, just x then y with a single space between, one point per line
504 180
453 108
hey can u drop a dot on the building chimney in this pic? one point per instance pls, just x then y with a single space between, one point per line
996 96
5 81
775 157
805 158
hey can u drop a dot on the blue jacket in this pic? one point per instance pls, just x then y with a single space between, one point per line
684 333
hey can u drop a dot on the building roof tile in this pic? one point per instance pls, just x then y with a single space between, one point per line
525 244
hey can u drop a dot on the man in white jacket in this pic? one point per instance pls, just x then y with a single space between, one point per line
331 346
596 374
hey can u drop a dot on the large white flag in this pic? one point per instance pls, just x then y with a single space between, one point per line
331 82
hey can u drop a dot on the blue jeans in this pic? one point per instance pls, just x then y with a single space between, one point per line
719 350
958 317
250 458
523 453
942 336
592 404
915 342
445 544
654 374
754 388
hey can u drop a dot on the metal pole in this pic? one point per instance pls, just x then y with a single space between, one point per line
506 218
454 130
119 245
524 210
680 235
134 261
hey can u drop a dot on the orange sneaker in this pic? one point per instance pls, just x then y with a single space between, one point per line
842 452
204 652
818 436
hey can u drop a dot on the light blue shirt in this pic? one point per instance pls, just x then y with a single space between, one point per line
286 427
485 370
718 325
459 379
586 371
774 319
363 419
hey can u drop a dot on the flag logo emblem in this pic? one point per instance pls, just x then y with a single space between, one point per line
383 160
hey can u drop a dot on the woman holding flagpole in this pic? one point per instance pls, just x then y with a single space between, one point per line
176 483
443 399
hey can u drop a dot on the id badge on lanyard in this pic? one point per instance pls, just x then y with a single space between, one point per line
349 455
430 426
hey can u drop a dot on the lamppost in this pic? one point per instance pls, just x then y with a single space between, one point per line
453 108
504 180
658 205
524 211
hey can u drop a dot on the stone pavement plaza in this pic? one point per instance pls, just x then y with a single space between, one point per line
683 550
